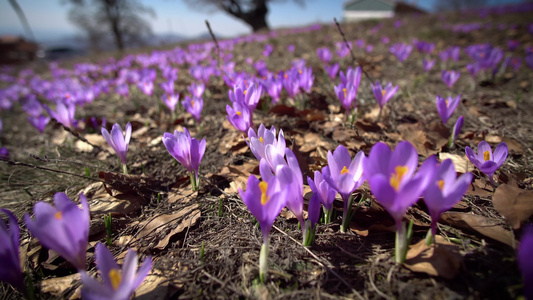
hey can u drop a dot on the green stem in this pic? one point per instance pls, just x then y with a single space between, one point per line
327 215
346 213
194 183
263 262
124 169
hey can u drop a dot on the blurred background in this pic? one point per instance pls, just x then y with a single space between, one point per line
55 29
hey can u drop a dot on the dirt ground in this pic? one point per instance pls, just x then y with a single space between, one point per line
206 244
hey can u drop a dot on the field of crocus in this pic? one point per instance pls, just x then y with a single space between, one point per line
382 159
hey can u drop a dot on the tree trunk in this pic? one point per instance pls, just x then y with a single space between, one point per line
257 17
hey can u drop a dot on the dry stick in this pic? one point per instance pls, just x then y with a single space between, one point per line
354 59
17 163
218 48
324 264
77 135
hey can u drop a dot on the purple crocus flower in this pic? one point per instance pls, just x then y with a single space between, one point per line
291 83
116 283
265 199
239 116
369 48
119 142
194 106
9 252
390 175
529 60
146 86
516 63
170 100
456 130
167 86
248 95
187 151
324 192
196 89
64 114
346 94
513 44
444 191
291 172
383 95
486 161
4 152
63 228
273 86
428 64
39 122
306 79
345 176
401 51
353 76
342 49
450 77
392 180
324 54
384 40
447 106
290 48
264 137
473 69
123 90
332 70
525 263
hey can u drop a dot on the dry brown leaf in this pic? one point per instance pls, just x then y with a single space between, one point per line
56 286
416 136
232 142
485 226
480 188
461 162
101 202
514 146
441 258
515 204
438 136
155 286
127 183
180 220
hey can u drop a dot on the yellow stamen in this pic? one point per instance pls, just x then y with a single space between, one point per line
383 92
67 96
261 139
397 176
344 90
286 76
192 103
239 113
115 277
441 184
486 155
58 215
446 101
244 92
263 187
300 71
344 170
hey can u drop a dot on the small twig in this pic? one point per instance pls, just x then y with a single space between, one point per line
218 48
18 163
325 264
354 59
371 277
81 138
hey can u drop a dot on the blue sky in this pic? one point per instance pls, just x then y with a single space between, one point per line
48 18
